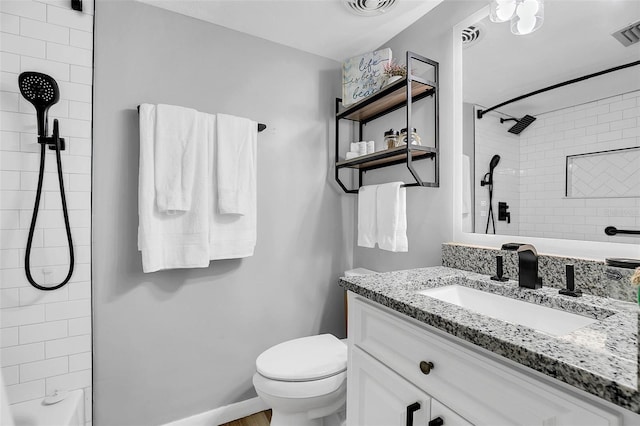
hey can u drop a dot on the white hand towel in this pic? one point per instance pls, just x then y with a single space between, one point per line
367 235
176 151
391 217
169 241
236 164
231 236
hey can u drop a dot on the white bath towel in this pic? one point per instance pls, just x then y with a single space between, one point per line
367 216
236 164
170 241
391 217
231 236
178 145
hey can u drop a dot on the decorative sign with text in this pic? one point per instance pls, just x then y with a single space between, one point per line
362 75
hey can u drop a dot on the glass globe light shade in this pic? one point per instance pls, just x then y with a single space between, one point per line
501 10
529 16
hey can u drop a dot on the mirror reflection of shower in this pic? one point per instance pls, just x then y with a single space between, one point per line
487 181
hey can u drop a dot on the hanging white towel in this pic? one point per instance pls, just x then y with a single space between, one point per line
235 164
232 236
177 148
391 217
171 241
367 233
467 223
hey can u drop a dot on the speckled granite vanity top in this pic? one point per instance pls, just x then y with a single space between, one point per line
600 358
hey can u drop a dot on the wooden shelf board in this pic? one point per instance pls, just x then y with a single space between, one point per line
387 157
387 99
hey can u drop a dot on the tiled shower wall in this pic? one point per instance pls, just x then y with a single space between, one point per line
539 172
45 336
506 178
607 124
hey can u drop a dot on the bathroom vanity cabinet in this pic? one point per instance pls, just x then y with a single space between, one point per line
396 362
401 94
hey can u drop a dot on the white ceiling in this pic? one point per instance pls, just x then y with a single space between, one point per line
575 40
322 27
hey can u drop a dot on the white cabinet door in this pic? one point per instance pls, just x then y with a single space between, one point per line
377 396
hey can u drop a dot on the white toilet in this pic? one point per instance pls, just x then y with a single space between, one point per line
304 381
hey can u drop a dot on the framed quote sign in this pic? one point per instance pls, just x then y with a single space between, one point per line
362 75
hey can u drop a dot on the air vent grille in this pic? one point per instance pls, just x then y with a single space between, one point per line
470 35
370 7
628 35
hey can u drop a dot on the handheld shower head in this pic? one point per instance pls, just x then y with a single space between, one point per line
493 163
43 92
488 177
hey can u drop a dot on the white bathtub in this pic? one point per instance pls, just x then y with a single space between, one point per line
68 412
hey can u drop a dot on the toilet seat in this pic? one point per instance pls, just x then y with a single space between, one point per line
299 390
305 359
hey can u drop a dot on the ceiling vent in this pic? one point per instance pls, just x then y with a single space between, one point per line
471 35
370 7
628 35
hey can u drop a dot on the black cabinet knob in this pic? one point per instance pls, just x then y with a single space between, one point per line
426 367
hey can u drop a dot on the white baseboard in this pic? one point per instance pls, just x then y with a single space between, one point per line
223 414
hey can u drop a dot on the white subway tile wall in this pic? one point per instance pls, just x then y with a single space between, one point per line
544 210
45 337
496 140
607 124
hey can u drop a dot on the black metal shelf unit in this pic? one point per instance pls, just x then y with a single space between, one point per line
390 98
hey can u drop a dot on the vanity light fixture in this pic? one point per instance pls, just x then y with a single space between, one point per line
526 16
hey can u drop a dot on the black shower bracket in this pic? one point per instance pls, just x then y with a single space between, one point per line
54 140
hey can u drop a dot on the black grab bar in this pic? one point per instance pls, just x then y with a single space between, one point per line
612 230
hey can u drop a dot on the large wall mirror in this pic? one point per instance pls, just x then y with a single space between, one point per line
562 165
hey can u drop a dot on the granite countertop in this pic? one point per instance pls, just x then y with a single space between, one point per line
600 358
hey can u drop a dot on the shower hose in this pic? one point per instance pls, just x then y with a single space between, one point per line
490 217
36 207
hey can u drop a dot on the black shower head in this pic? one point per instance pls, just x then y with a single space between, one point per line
494 162
520 125
42 91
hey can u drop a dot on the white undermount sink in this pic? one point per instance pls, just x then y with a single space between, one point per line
542 318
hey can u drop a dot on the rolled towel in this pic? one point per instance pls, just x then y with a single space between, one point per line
362 148
371 147
351 155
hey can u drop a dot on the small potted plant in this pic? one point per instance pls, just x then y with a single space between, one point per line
394 72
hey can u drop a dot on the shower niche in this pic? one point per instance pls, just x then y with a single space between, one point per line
420 84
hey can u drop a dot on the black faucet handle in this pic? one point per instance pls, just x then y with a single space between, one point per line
499 271
571 286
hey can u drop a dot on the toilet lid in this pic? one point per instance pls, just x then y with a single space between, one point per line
307 358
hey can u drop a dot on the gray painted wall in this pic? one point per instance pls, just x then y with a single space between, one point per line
429 210
172 344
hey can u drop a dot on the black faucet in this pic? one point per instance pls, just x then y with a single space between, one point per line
528 267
